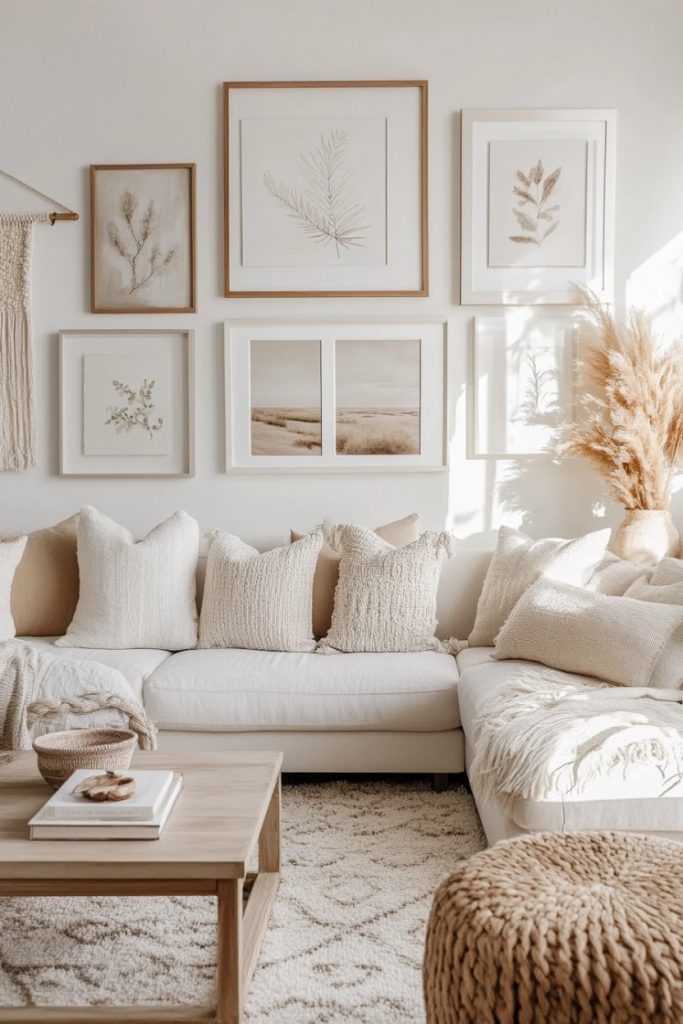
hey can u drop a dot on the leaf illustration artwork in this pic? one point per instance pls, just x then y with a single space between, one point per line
143 260
328 210
535 216
138 411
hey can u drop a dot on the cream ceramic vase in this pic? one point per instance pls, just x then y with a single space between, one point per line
646 536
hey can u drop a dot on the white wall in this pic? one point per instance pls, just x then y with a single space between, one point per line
117 81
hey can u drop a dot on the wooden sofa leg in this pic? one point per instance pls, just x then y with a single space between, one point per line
439 781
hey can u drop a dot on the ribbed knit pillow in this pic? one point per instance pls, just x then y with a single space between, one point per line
259 601
10 554
135 594
386 596
616 639
670 593
518 561
669 570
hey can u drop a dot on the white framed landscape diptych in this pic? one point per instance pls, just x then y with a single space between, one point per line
325 188
522 386
537 205
335 395
126 403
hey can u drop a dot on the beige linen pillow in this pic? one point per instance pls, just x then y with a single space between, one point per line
615 575
10 555
135 594
386 596
45 588
403 531
671 593
615 639
669 570
518 561
259 601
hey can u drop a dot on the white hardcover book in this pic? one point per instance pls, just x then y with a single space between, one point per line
99 828
150 789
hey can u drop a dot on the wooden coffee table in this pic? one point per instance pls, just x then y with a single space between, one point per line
230 802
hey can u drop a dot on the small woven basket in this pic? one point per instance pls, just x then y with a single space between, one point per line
62 753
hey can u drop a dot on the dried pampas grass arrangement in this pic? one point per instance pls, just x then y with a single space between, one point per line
631 428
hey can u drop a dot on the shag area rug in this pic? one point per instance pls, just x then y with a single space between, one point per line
361 863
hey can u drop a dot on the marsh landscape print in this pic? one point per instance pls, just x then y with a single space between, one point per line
285 398
377 397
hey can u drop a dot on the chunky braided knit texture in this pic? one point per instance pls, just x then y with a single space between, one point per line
43 710
574 928
256 601
10 556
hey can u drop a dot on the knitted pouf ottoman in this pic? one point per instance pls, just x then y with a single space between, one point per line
568 928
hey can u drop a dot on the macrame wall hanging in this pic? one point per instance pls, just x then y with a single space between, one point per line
17 411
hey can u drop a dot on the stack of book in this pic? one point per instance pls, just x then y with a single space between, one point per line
142 816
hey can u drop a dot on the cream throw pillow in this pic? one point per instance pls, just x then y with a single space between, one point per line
10 555
403 531
670 593
615 575
259 601
669 570
45 588
386 596
135 594
518 561
615 639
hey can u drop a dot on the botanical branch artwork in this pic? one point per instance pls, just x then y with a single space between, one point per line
328 210
134 242
540 403
535 216
138 410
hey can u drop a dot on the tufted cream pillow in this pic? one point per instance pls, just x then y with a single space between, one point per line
518 561
135 594
615 639
386 596
10 555
259 601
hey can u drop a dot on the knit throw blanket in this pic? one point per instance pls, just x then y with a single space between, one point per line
42 692
543 738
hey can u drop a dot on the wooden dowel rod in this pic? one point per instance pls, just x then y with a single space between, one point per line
63 216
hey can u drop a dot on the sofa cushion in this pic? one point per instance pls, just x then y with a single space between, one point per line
238 690
45 588
470 657
135 665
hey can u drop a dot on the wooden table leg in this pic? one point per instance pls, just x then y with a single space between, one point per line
229 953
269 840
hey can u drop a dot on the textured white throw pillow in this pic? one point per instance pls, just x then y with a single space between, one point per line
615 575
135 594
670 593
613 638
519 561
669 570
386 596
10 556
259 601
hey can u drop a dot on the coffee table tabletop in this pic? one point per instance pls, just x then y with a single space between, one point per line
228 808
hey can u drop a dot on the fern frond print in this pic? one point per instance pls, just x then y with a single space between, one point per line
327 210
536 219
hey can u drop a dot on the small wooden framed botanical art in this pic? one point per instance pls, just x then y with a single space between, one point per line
126 403
143 238
335 395
537 205
325 188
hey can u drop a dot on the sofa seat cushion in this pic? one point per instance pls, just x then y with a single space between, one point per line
641 802
239 690
134 665
471 657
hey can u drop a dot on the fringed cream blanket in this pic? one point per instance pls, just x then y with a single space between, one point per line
544 737
17 415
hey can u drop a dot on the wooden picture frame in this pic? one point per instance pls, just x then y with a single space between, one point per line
397 190
97 367
115 263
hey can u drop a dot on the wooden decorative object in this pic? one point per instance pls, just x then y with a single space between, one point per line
109 787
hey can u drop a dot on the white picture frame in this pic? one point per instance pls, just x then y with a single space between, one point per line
537 205
522 386
370 376
126 403
283 234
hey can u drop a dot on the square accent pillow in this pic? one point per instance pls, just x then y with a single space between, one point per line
615 639
615 575
259 601
135 594
45 588
386 596
519 561
403 531
669 593
669 570
10 555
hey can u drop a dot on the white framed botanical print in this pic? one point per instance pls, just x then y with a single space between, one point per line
126 403
522 383
325 188
537 205
335 395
